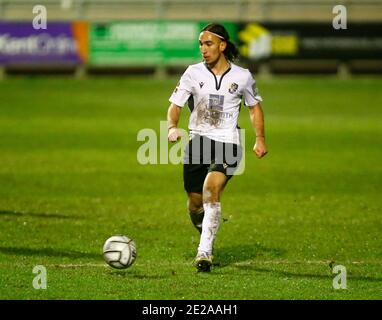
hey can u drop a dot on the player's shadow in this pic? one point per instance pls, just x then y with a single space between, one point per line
49 252
225 256
36 214
134 275
228 255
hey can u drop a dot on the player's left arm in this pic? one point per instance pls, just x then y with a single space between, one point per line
256 115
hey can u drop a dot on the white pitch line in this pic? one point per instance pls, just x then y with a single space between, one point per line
243 263
302 262
86 265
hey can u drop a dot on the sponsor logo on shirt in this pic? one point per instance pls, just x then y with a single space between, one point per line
216 102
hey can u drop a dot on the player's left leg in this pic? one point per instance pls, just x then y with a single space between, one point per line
213 187
227 158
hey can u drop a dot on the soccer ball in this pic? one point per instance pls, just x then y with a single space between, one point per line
119 251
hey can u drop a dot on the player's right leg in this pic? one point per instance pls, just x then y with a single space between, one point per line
194 173
195 209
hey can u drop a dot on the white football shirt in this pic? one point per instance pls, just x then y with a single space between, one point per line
215 101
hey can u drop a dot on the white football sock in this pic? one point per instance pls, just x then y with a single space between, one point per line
211 223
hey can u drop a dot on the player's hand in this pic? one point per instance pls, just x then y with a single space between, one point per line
260 149
173 134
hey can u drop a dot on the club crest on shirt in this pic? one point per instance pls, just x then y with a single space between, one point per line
233 88
201 84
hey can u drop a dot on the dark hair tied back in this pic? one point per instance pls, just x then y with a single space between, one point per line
231 52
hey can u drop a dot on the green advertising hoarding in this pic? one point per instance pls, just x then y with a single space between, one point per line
147 43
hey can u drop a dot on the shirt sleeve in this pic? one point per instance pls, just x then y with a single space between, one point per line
183 90
251 92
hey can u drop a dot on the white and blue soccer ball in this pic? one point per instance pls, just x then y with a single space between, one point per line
119 251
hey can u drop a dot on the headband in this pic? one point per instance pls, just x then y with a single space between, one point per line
218 35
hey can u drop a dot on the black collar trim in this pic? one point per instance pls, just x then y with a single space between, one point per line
217 85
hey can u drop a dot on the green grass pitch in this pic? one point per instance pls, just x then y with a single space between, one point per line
69 179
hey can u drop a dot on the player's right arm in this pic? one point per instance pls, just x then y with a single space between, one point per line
173 115
178 98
